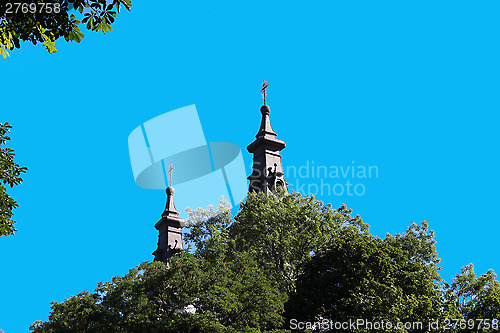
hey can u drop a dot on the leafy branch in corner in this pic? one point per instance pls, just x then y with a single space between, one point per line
10 174
45 21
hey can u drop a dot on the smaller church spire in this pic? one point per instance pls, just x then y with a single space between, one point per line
169 227
170 206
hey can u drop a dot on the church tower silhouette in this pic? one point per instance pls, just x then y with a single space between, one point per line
169 227
267 176
267 171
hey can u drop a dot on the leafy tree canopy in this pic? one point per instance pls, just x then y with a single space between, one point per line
474 297
226 292
282 232
358 276
45 21
282 258
10 174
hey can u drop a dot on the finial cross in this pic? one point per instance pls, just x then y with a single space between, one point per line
263 90
170 169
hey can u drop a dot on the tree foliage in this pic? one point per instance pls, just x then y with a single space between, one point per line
200 215
193 294
45 21
283 231
10 174
359 276
284 257
472 297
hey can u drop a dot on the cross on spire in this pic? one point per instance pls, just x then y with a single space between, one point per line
170 169
263 90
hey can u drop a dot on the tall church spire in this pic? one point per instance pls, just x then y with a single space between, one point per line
169 227
267 172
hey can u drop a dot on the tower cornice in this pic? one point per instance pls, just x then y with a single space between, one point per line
266 142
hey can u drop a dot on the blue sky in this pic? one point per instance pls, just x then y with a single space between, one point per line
408 87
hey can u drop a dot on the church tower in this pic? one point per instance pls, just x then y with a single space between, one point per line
169 227
267 174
